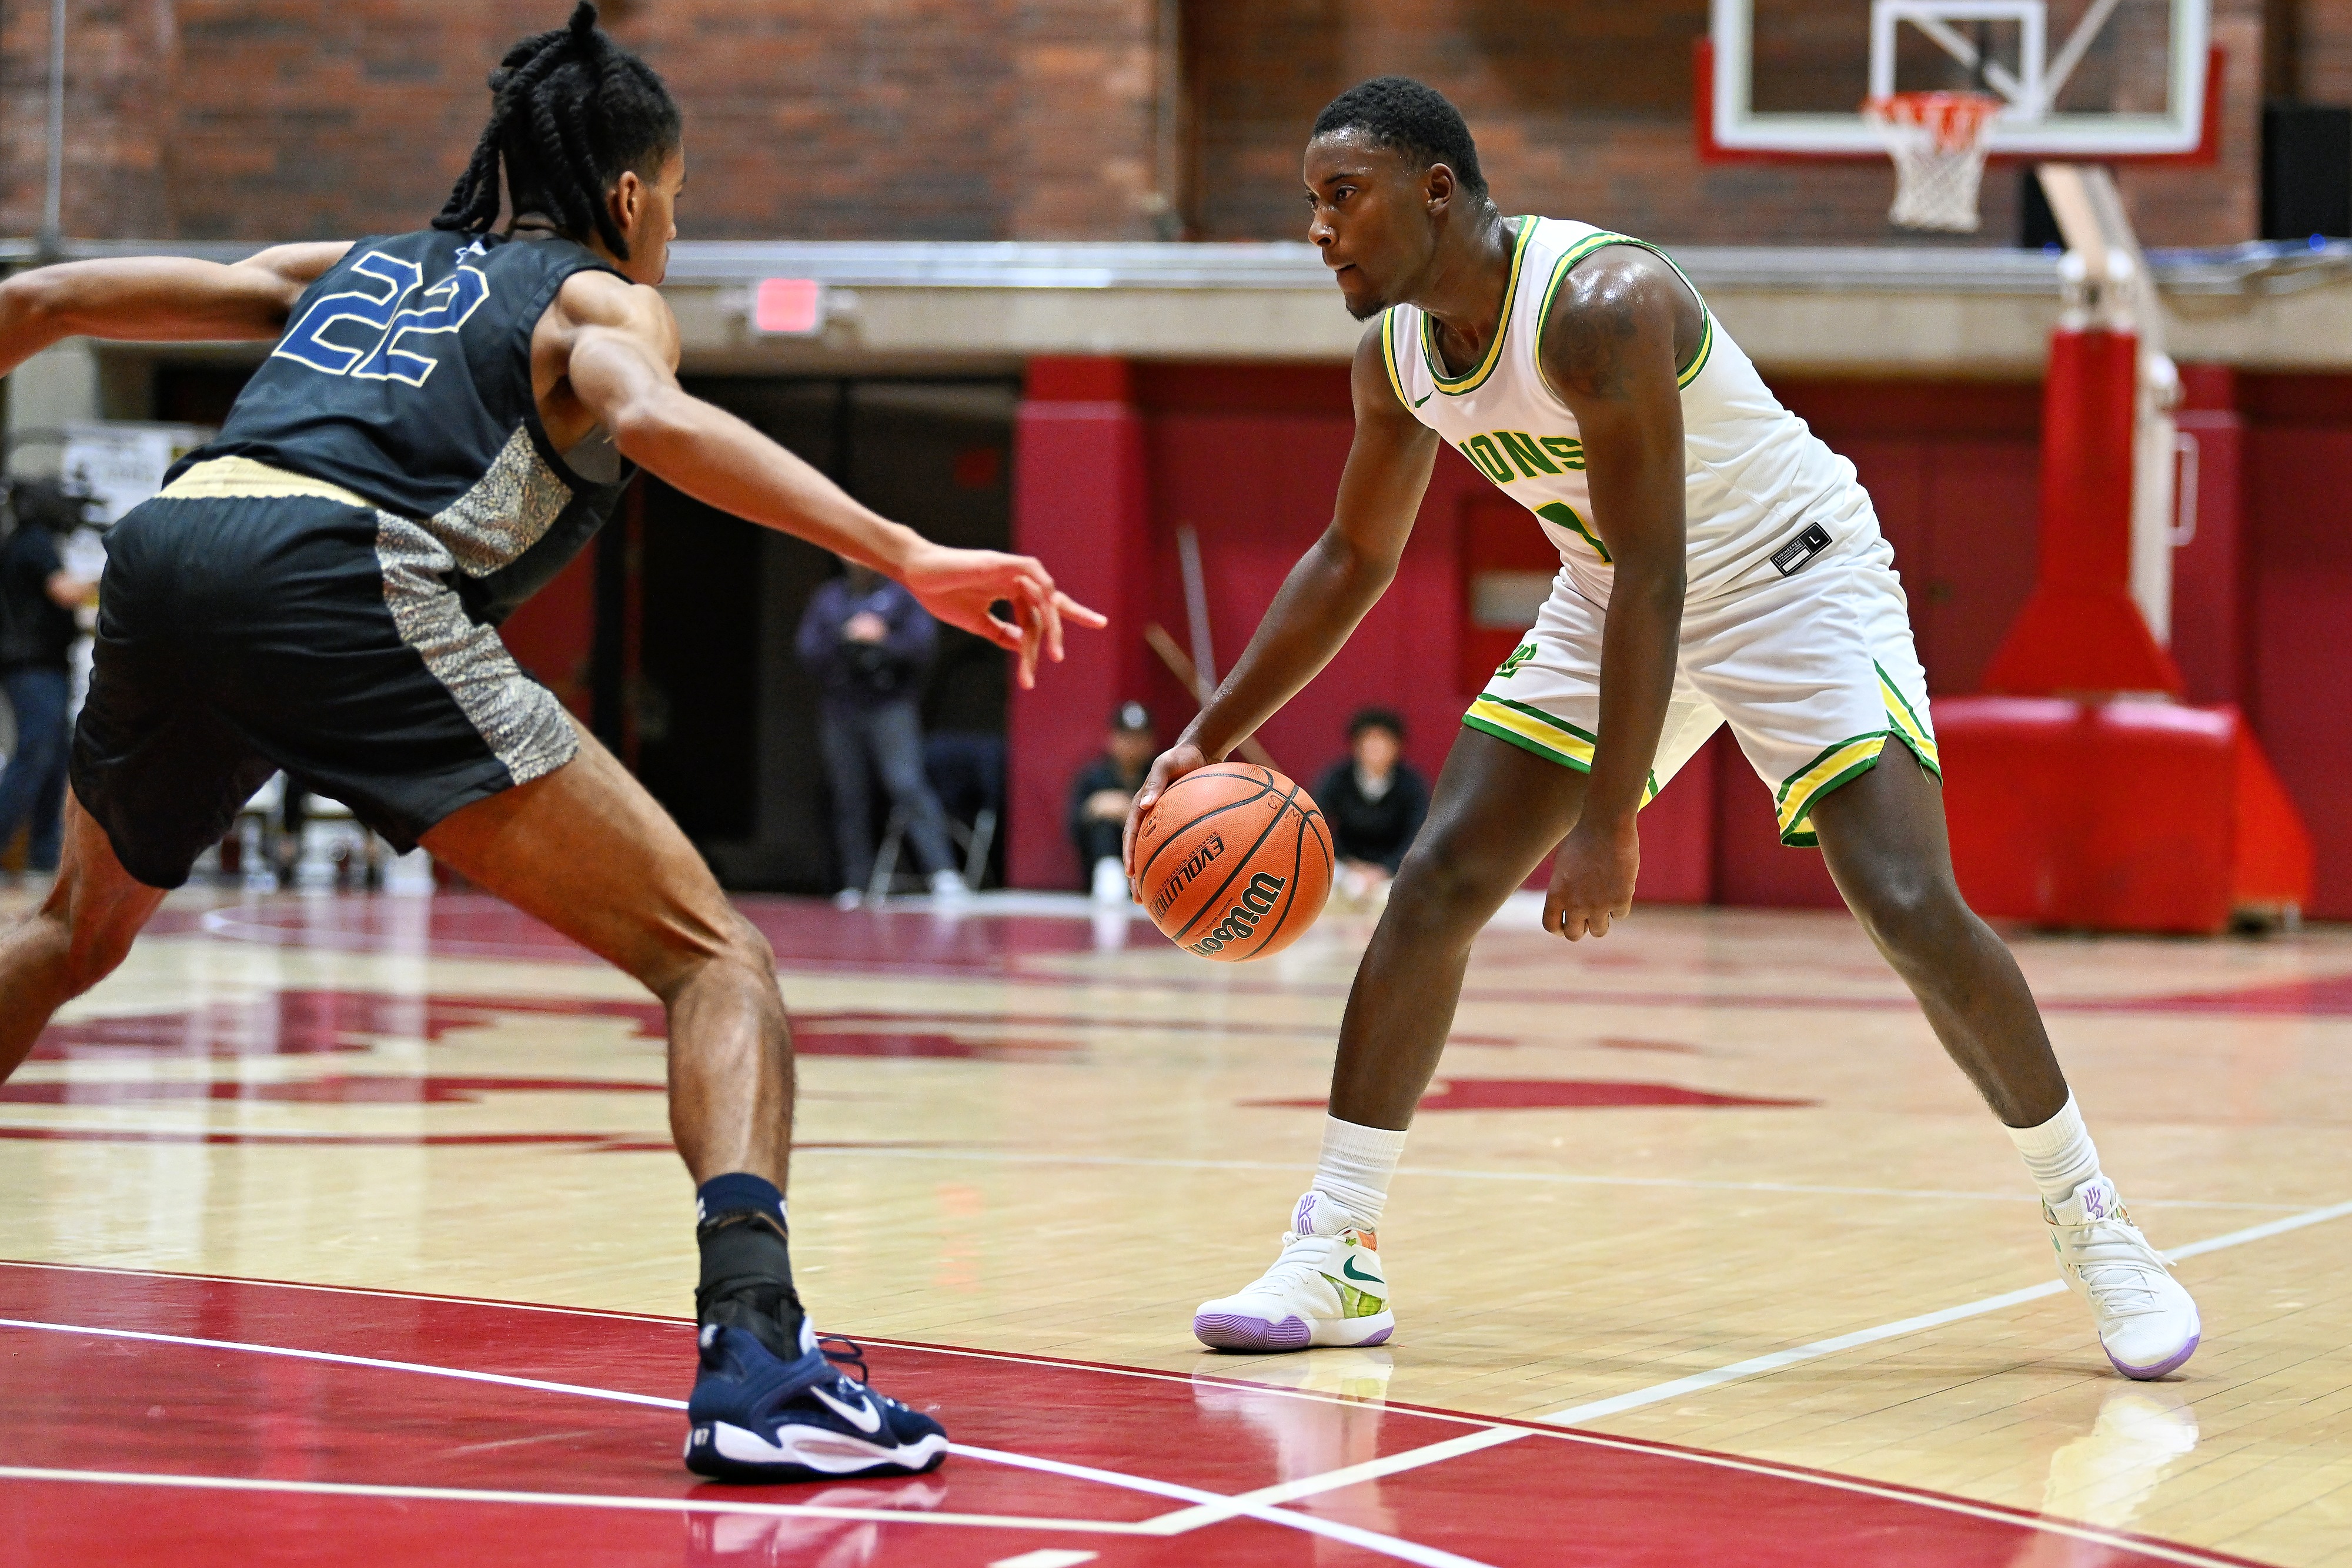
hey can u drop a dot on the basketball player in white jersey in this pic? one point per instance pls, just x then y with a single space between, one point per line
1719 565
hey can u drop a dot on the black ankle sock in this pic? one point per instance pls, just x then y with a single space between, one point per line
747 1266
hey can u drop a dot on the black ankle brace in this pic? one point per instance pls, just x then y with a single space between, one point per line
747 1280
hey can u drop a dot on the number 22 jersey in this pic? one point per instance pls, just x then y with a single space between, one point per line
404 378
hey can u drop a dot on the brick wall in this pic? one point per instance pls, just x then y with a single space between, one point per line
1583 107
853 118
2310 52
984 119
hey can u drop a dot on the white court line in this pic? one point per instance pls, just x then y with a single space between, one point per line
1265 1503
1436 1453
461 1374
1758 1366
568 1499
1332 1480
1370 1540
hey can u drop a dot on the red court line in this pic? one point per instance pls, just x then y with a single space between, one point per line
1568 1499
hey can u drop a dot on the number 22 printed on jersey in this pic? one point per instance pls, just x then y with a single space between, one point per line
364 333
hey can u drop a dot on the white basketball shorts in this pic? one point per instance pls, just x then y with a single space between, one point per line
1814 673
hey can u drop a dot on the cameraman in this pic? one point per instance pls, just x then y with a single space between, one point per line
868 643
37 599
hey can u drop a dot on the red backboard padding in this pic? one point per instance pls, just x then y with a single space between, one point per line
2116 816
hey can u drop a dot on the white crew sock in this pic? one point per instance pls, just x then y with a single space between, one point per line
2059 1153
1355 1167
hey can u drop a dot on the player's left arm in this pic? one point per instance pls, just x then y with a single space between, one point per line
158 299
611 349
1610 351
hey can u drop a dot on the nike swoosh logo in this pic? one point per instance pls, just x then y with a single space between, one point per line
1422 399
1348 1267
862 1416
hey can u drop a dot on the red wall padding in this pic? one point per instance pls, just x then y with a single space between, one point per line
2299 501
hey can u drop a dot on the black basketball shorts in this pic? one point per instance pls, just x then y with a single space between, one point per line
240 634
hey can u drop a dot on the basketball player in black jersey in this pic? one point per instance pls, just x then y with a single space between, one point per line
446 418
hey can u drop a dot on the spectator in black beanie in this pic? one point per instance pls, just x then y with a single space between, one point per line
1375 800
1101 794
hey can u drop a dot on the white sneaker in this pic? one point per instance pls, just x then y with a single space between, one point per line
848 898
1327 1288
2147 1323
1110 880
949 885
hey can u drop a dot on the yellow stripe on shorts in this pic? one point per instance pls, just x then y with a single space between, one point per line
1907 724
1846 760
1532 729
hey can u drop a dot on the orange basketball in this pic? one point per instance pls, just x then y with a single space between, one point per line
1233 862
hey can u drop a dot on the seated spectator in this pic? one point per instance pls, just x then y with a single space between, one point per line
867 642
1374 801
37 629
1101 794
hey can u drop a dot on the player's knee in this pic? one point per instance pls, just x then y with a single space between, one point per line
695 944
1444 883
87 954
748 945
1910 912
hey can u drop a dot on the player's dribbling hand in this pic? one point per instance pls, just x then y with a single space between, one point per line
1171 765
963 587
1593 880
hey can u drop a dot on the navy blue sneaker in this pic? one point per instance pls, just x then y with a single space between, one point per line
755 1418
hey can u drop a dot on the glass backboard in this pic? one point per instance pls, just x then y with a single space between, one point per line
2078 78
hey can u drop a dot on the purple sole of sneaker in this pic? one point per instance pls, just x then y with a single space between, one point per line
1224 1331
2170 1364
1380 1338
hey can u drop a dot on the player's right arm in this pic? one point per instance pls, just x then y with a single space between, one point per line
158 299
1334 585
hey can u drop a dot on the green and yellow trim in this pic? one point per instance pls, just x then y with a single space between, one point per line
1601 241
1454 386
1531 729
1849 761
1388 355
1841 764
1907 723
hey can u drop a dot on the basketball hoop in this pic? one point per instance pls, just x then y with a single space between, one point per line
1937 142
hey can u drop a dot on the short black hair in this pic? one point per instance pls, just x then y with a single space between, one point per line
571 109
1366 718
1410 117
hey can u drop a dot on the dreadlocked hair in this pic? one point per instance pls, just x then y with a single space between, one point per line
571 112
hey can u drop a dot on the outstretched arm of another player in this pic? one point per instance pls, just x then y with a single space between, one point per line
157 299
1609 350
608 349
1331 587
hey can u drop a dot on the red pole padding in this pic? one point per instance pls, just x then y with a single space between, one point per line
2087 460
2081 632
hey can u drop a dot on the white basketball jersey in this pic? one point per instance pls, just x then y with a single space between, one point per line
1762 495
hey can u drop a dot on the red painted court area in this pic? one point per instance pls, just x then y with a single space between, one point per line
203 1421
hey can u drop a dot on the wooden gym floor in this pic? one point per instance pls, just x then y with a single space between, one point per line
1703 1253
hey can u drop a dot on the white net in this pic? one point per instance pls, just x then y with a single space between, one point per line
1937 142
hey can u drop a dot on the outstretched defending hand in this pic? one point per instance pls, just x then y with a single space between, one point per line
963 587
1172 764
1593 880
